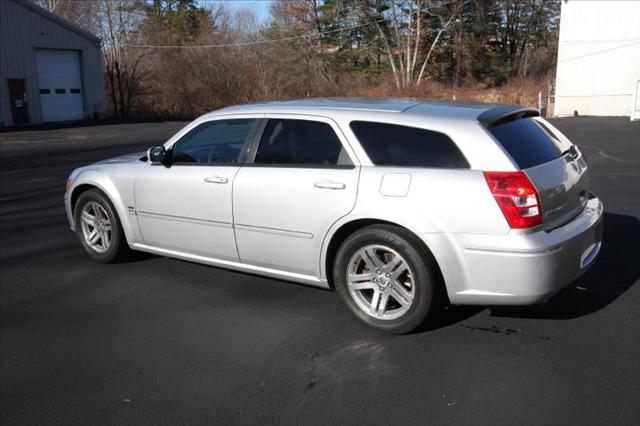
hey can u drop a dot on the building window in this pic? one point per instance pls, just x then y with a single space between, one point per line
45 91
60 91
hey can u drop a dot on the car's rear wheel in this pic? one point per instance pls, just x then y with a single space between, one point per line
386 278
98 228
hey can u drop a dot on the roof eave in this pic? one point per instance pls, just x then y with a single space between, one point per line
60 21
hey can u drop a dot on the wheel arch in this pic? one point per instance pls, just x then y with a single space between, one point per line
93 180
77 191
347 228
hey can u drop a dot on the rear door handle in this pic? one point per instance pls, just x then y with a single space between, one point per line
216 179
327 184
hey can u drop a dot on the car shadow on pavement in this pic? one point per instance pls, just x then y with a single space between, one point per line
614 272
137 256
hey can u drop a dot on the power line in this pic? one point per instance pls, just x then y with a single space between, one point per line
249 43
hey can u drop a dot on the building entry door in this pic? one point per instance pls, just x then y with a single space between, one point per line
18 97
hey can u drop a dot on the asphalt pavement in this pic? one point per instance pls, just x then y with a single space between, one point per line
161 341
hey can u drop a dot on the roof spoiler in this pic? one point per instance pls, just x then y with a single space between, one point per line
503 114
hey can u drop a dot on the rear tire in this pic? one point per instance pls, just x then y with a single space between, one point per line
99 229
387 278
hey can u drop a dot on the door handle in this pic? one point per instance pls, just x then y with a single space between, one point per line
327 184
216 179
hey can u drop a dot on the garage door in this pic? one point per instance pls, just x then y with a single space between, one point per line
60 84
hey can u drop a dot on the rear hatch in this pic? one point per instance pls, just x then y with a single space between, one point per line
554 165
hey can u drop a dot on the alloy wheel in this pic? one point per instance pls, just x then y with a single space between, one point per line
380 282
96 227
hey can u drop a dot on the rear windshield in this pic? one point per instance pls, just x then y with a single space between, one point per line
393 145
526 141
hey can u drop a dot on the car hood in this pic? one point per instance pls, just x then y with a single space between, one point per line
128 158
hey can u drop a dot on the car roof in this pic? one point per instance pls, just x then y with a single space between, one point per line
334 107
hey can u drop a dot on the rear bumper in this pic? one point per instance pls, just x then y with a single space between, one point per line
527 268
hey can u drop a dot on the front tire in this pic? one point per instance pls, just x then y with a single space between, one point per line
98 228
386 278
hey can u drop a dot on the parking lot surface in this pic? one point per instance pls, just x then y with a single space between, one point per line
162 341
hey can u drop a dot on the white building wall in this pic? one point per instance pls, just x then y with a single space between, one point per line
598 57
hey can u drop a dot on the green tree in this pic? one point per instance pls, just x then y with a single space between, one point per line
174 21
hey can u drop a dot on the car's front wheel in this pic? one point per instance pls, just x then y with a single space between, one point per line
98 227
386 278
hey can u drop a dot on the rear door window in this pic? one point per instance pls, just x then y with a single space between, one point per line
526 141
301 143
394 145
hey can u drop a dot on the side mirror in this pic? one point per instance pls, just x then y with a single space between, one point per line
157 154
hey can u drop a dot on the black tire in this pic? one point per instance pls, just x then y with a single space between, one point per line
420 261
118 249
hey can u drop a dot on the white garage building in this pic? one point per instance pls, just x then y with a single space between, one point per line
598 58
50 69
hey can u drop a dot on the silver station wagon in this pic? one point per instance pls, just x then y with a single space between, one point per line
399 205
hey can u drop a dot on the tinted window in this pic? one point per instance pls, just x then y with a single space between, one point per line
526 142
393 145
300 142
215 142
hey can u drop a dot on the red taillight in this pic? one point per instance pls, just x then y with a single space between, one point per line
516 197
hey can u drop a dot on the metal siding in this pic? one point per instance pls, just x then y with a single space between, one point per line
21 32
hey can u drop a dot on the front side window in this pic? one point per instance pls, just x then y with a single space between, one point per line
214 142
394 145
301 142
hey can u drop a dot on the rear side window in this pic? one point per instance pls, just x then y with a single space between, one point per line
301 143
394 145
526 141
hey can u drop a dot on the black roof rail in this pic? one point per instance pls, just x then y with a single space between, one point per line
502 114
